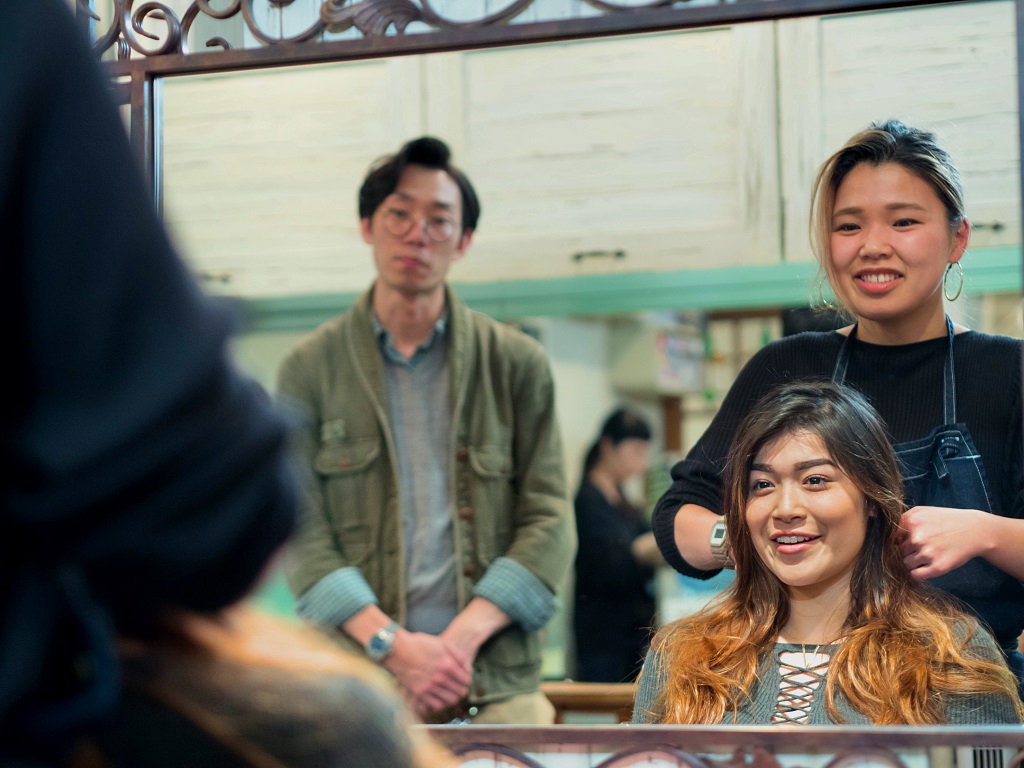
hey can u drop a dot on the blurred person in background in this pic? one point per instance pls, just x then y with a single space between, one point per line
617 556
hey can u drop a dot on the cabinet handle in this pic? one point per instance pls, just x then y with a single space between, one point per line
995 226
606 254
214 277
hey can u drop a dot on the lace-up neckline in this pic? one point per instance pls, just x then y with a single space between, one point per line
801 675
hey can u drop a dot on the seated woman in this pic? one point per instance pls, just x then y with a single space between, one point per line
822 624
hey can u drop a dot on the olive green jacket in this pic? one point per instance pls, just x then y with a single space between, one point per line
507 486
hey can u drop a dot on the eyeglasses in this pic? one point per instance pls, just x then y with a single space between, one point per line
400 222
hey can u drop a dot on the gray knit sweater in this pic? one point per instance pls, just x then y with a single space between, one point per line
991 709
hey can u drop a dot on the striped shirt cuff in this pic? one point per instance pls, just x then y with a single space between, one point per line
336 598
521 595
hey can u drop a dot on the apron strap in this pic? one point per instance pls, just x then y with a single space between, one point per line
949 381
843 359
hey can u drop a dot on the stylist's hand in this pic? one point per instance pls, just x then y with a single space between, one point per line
939 539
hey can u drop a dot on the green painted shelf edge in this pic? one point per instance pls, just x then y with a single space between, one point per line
987 270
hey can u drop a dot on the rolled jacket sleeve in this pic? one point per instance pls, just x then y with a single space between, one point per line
336 598
517 592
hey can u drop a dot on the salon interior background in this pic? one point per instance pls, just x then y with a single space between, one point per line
645 198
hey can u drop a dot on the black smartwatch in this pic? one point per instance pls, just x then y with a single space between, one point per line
381 644
719 542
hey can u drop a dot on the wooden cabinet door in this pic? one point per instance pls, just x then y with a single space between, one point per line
261 171
950 69
634 154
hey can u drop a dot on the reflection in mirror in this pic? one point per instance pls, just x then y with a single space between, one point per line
675 156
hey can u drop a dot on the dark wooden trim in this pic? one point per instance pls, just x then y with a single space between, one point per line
568 696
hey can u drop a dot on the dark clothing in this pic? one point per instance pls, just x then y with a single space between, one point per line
904 383
140 470
944 469
614 593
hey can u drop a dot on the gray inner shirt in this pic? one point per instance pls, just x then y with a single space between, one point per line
421 428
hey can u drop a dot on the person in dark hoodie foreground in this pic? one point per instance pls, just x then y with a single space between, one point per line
146 484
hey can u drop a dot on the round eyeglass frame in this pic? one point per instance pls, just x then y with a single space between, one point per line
400 223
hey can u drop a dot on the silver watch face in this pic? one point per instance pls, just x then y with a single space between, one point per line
380 644
719 543
718 534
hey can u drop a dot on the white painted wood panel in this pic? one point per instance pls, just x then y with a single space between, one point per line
951 69
801 142
261 171
662 146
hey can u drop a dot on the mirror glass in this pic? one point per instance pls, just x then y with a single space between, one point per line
646 157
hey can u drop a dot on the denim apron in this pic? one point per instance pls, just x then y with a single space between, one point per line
944 469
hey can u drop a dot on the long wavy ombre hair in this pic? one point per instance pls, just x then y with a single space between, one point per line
904 645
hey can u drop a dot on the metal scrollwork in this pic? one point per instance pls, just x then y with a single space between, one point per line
203 7
314 30
130 35
509 12
606 7
666 756
127 27
371 17
132 28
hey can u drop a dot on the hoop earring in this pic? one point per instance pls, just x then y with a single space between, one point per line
818 299
959 284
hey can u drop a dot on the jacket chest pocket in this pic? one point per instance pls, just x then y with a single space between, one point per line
492 496
350 480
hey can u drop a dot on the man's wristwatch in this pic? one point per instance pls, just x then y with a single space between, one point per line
381 644
719 542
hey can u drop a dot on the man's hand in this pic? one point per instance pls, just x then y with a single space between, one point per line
431 671
477 622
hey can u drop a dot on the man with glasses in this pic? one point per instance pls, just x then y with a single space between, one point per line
438 526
